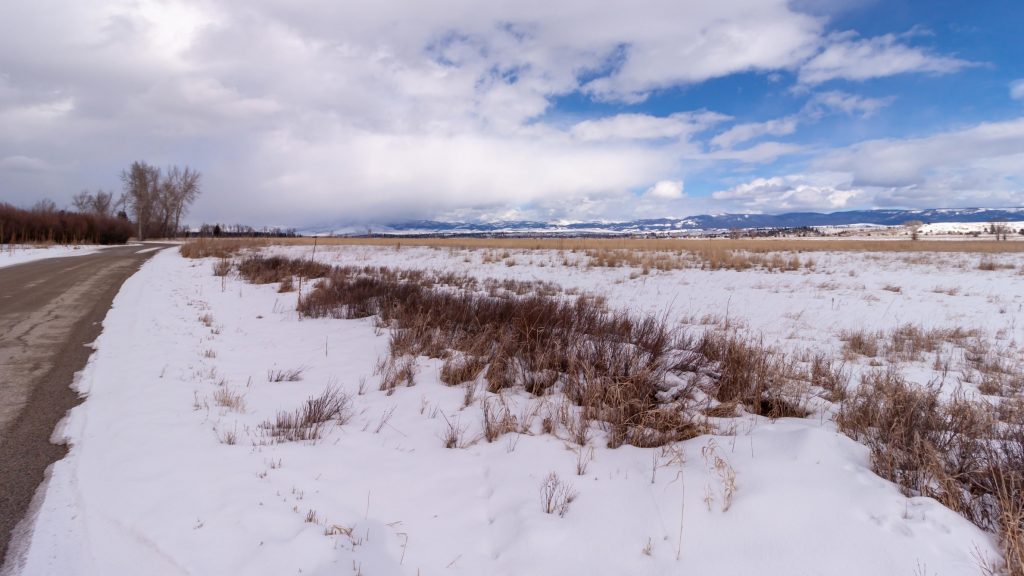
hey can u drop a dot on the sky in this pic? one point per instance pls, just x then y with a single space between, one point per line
302 113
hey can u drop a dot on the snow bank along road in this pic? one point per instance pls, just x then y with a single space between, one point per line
50 311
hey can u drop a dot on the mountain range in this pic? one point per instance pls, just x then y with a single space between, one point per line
694 224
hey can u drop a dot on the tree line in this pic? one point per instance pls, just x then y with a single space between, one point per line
152 204
44 223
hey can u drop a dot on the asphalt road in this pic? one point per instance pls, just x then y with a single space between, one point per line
50 311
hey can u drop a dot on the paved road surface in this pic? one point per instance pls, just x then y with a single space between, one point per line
50 311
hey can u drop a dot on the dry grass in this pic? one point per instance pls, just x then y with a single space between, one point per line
285 374
310 420
269 269
498 419
989 264
633 376
227 398
956 451
611 364
396 370
749 373
219 248
906 343
556 495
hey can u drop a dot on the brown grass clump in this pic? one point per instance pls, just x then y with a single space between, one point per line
751 374
556 495
285 374
459 368
269 269
990 264
954 451
498 419
396 371
906 343
227 398
310 420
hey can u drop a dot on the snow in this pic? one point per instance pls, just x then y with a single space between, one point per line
968 228
150 485
22 253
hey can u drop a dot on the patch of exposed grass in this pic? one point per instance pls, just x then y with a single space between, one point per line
308 422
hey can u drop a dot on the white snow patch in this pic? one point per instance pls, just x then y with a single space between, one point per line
22 253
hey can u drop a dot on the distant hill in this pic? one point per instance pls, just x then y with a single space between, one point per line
704 222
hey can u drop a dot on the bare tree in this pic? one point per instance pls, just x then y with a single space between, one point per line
103 203
44 206
157 200
179 190
914 227
142 187
83 201
187 192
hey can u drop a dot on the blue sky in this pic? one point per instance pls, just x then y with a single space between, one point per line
323 111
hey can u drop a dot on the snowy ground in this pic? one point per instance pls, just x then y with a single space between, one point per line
164 478
21 253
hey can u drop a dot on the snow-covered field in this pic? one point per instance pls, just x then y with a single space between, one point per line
171 472
21 253
969 228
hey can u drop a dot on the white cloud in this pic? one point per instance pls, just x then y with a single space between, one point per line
759 153
348 110
446 101
645 127
744 132
1017 89
979 165
914 161
432 173
666 190
850 104
820 191
847 56
25 164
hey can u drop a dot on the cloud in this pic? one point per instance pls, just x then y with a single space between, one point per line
1017 89
760 153
980 165
849 104
355 111
980 149
26 164
362 110
849 57
645 127
743 132
820 191
666 190
423 175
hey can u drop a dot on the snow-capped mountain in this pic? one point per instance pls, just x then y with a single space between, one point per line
704 222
